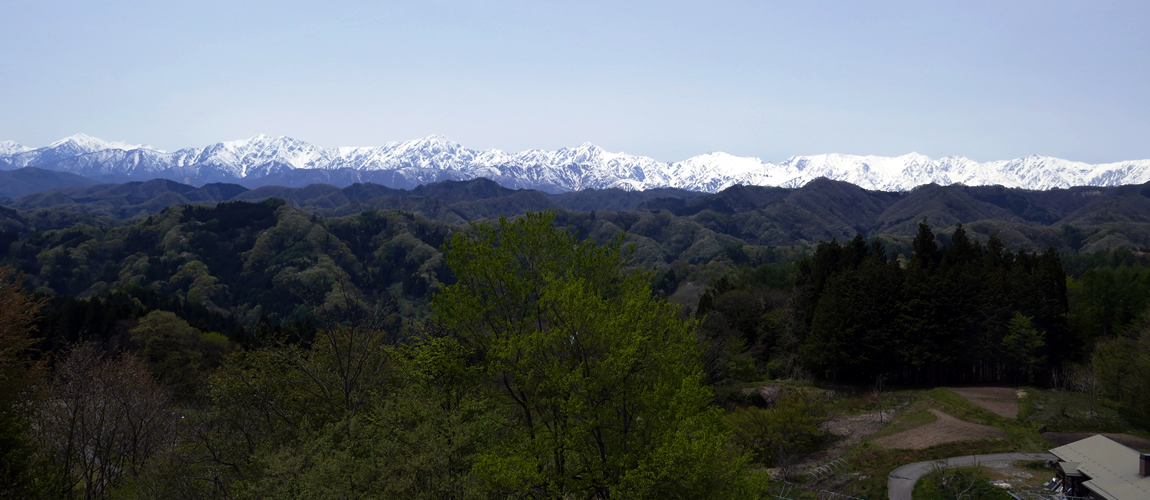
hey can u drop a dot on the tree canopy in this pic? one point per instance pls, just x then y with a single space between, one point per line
600 380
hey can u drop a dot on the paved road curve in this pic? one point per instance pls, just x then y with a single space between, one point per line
901 481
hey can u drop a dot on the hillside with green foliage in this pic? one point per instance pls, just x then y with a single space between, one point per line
547 369
1080 219
251 259
387 354
239 258
318 339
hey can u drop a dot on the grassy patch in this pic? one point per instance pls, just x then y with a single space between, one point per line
877 463
906 421
855 404
1063 411
869 465
936 484
958 406
862 402
1021 435
1026 404
1035 465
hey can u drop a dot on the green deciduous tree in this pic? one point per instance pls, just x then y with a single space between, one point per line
347 414
180 356
1023 345
285 416
419 441
1108 299
1121 366
599 381
777 435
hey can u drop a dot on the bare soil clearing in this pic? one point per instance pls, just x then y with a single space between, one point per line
944 430
1000 400
1061 438
847 431
851 429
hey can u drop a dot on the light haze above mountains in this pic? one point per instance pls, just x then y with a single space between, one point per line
284 161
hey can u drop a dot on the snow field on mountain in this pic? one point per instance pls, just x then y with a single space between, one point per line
569 169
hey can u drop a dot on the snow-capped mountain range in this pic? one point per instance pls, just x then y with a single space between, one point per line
265 160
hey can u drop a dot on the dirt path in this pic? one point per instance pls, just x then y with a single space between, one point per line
943 430
1000 400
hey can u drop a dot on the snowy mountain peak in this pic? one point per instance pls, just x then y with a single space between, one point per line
80 140
436 157
84 142
254 141
11 148
915 157
435 141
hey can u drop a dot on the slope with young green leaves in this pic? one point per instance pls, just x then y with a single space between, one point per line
241 258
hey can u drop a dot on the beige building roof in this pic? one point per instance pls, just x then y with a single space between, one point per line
1112 467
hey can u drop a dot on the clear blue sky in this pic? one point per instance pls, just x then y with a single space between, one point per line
988 80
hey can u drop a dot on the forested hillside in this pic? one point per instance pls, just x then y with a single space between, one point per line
317 345
547 369
242 259
961 313
1081 219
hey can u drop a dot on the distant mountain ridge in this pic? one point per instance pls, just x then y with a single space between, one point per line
1082 218
22 181
456 201
284 161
